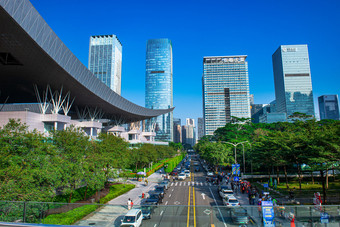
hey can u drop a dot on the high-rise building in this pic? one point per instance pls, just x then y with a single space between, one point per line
177 130
105 60
188 135
190 121
292 78
225 90
200 128
158 85
329 107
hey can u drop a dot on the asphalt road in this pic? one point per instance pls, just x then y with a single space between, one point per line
202 204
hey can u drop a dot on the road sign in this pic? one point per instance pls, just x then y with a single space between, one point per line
236 179
235 169
265 185
324 218
268 213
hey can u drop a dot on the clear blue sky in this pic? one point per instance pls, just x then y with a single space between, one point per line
204 28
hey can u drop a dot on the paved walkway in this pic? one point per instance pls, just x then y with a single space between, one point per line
113 212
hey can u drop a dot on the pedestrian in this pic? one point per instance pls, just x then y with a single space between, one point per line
143 195
129 203
146 181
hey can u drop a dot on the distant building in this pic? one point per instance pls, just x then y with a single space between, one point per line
177 130
159 86
200 128
256 112
292 78
251 99
105 60
188 132
225 91
329 107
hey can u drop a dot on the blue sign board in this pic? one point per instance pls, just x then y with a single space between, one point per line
268 213
265 185
235 169
324 218
236 179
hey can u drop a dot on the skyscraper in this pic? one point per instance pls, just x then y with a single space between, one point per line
177 130
329 107
105 60
200 128
292 78
225 90
188 132
158 85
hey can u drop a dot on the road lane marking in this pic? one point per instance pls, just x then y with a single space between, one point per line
180 183
176 183
184 183
225 225
188 209
169 195
166 203
188 183
155 225
193 183
172 190
196 183
203 195
161 212
170 185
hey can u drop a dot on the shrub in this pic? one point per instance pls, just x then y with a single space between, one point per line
115 191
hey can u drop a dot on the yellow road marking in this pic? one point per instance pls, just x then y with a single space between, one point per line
194 204
188 219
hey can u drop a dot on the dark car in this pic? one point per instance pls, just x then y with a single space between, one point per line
154 199
164 183
239 216
197 169
147 210
223 187
160 189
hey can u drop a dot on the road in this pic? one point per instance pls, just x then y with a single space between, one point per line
202 204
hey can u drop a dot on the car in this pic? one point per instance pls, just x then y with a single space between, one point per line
160 190
222 187
187 173
239 216
133 218
181 176
197 169
164 183
174 173
154 199
226 192
231 201
147 210
210 174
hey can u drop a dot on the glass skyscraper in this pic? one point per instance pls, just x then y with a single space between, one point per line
105 60
292 78
158 85
329 107
225 91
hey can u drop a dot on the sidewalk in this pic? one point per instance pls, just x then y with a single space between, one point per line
113 212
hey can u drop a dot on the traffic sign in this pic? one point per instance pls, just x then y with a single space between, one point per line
265 185
268 213
235 169
324 218
236 179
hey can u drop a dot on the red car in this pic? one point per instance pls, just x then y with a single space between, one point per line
174 173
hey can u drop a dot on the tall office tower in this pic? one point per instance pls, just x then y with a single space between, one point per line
177 130
292 78
225 91
200 128
188 135
190 121
251 99
158 85
105 60
329 107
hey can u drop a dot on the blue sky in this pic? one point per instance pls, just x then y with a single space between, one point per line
204 28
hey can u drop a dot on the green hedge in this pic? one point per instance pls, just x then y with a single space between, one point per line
173 162
76 214
77 195
71 216
115 191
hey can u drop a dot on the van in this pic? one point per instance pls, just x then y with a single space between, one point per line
133 218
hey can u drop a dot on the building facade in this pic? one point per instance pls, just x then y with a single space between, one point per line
105 60
292 78
200 128
177 130
329 107
159 85
225 90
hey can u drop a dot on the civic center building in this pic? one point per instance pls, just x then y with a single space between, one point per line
43 83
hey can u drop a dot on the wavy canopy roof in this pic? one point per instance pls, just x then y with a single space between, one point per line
31 53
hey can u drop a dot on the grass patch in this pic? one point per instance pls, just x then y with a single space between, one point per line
72 216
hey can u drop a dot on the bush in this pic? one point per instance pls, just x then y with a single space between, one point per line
115 191
71 216
77 195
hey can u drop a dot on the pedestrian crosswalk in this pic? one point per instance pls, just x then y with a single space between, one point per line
189 183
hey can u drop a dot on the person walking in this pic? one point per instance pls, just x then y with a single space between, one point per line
129 203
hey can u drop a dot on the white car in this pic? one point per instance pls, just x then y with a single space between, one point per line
187 173
181 176
133 218
231 201
210 174
224 193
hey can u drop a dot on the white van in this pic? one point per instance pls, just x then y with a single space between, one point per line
133 218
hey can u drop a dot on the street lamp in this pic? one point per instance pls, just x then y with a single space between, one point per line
244 160
235 145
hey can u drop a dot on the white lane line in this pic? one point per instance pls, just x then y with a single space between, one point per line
161 212
170 195
188 183
176 183
201 184
180 183
170 185
206 184
184 183
193 183
209 184
166 203
196 183
172 190
225 225
155 225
